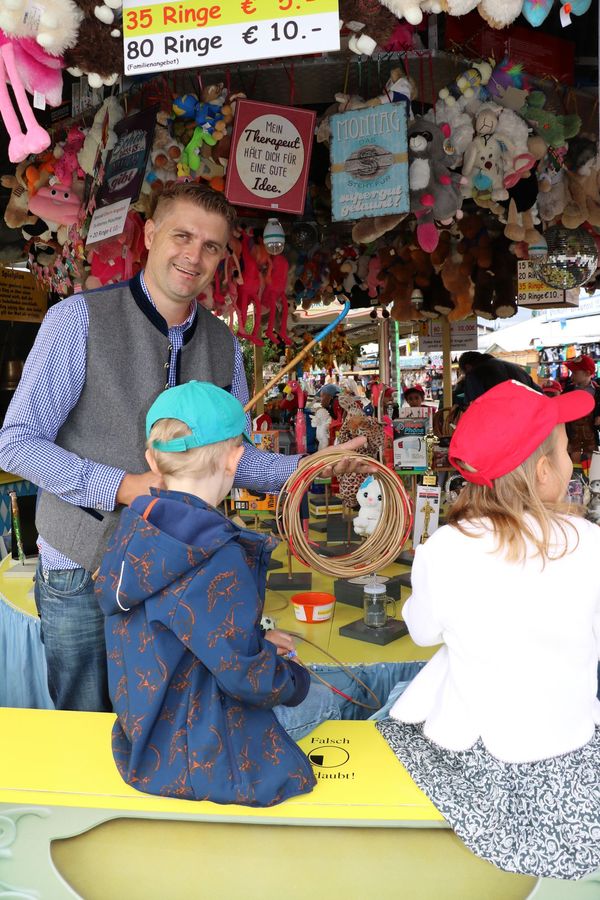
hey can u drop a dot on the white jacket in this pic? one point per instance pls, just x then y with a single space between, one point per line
518 665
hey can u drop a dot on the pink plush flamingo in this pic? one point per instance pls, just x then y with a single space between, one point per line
300 421
27 67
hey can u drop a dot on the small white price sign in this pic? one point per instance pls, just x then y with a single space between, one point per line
191 34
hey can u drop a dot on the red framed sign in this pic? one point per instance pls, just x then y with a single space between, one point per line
270 155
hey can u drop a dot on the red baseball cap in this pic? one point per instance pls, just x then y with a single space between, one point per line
414 387
504 426
551 386
582 363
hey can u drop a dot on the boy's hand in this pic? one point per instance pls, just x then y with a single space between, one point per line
283 641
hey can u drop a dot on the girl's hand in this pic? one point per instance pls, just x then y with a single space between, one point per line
283 641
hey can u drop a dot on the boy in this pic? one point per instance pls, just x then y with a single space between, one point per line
192 678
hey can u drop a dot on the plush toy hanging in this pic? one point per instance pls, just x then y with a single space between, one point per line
26 66
434 189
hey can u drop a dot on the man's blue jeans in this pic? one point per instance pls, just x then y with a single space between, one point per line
73 636
386 680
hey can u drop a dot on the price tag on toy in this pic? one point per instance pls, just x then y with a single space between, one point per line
196 33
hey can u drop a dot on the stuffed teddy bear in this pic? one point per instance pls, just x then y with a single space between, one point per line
412 10
112 112
17 212
495 288
499 13
457 282
118 258
434 194
483 160
369 24
369 498
582 185
555 130
98 52
54 25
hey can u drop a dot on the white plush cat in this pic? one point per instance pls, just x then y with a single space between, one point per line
369 499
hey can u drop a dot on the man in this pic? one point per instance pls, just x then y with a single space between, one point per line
75 426
582 433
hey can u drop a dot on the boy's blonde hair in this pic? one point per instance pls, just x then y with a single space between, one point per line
515 512
202 462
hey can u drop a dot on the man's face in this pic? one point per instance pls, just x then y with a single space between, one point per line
185 245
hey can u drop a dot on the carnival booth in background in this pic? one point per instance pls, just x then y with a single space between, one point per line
431 163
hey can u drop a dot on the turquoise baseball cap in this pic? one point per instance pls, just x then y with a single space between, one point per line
211 413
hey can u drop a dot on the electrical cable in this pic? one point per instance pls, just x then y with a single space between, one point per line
379 550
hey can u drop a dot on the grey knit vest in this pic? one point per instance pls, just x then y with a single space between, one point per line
127 367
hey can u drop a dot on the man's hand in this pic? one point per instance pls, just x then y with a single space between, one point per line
134 486
345 466
283 641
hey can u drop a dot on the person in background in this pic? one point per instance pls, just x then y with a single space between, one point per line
551 387
328 398
482 371
414 395
75 426
500 728
583 434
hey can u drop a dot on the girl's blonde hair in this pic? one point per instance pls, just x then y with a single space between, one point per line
514 512
202 462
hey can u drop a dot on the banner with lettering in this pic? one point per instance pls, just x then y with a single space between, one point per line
270 155
162 36
126 163
369 162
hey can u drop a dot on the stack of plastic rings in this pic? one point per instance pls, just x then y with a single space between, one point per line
379 550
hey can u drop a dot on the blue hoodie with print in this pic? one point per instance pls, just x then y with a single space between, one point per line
191 678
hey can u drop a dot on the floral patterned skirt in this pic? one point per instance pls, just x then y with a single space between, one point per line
540 818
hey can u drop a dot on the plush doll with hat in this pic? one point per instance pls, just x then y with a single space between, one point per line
465 84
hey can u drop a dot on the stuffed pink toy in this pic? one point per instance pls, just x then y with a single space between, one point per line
108 264
27 67
67 165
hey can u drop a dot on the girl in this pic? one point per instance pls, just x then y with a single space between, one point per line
508 748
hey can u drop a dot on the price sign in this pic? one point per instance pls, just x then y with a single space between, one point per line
196 33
